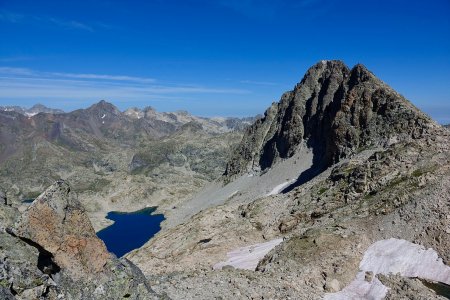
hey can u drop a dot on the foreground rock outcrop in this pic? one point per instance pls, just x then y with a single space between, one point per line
57 223
51 251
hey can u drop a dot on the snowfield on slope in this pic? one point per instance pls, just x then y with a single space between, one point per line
248 257
393 256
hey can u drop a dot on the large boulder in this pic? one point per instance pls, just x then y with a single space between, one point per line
52 252
58 223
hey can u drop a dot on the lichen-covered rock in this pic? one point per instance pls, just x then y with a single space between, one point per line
52 252
57 222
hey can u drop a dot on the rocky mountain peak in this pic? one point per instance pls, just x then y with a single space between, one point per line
334 110
104 107
38 106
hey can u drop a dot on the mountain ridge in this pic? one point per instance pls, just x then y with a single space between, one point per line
379 175
335 110
164 156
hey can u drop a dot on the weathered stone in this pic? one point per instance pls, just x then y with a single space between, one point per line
332 286
57 222
52 252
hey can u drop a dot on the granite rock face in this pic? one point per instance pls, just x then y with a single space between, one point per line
57 222
51 251
338 111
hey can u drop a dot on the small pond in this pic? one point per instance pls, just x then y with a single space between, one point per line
130 230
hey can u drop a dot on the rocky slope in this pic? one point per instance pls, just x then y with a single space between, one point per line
115 161
381 171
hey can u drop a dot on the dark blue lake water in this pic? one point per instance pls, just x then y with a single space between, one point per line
130 230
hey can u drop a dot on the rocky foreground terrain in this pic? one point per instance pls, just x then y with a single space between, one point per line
340 191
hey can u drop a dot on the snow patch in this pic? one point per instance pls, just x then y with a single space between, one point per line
233 194
30 114
248 257
104 115
393 256
276 190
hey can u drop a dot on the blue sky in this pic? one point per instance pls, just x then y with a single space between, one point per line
215 57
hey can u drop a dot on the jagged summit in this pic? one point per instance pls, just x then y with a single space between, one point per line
104 106
336 111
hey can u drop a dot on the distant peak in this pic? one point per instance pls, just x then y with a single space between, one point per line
103 103
104 106
182 112
149 108
38 106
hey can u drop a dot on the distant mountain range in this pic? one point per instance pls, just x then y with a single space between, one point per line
165 156
172 120
34 110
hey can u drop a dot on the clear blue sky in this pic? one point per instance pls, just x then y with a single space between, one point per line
215 57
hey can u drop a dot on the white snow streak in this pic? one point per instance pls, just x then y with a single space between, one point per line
248 257
276 190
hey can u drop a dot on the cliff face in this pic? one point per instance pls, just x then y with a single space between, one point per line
336 111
